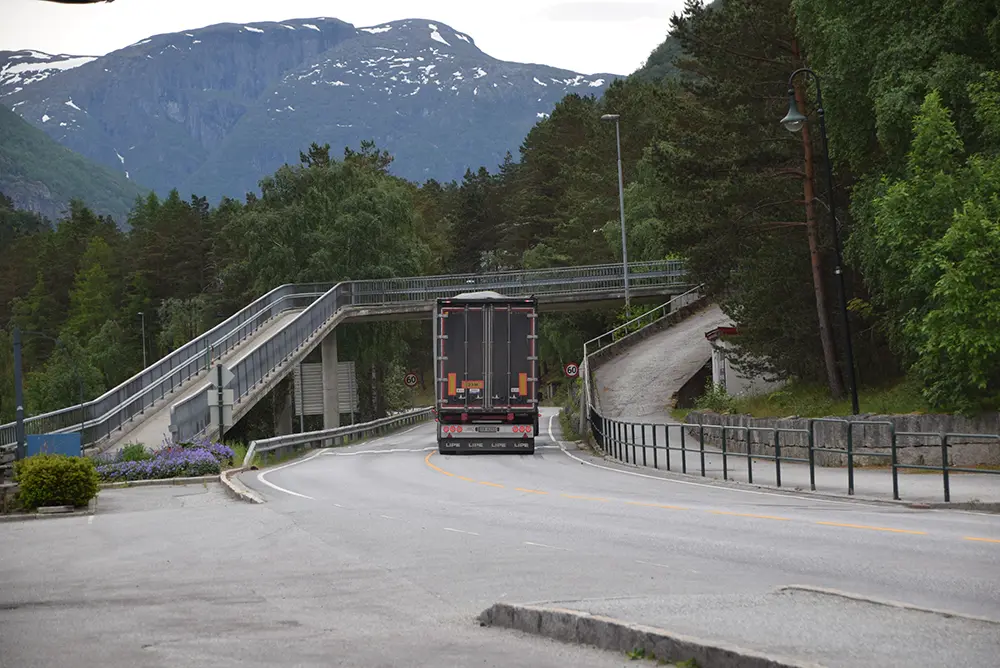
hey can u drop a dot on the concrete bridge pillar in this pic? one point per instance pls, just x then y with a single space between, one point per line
284 424
331 402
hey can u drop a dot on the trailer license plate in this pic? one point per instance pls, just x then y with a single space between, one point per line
488 429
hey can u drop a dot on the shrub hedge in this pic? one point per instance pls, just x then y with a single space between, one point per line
55 480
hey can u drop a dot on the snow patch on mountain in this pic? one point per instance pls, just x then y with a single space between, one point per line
28 67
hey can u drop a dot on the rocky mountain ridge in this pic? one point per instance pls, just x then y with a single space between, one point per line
213 110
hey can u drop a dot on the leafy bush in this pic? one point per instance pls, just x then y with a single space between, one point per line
716 399
172 461
134 452
55 480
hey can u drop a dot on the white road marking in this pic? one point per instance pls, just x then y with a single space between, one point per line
90 520
686 482
377 452
471 533
387 517
650 563
260 476
551 547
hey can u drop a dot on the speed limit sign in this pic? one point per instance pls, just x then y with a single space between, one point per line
572 370
410 380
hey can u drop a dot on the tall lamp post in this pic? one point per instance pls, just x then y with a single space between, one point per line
794 121
142 315
621 200
19 390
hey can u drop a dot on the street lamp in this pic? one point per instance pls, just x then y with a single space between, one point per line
19 389
143 316
621 201
794 121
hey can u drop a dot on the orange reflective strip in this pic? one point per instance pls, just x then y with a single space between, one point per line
522 384
451 384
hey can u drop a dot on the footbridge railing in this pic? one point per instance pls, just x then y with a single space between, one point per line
100 418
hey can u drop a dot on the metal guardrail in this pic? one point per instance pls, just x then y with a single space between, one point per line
649 444
539 282
103 416
622 332
269 448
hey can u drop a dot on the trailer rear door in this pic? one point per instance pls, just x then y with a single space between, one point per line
512 369
463 356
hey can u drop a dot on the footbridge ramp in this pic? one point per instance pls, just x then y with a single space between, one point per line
266 339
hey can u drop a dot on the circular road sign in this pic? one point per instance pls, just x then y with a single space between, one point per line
410 380
572 370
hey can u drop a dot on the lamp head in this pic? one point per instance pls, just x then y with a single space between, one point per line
610 117
793 120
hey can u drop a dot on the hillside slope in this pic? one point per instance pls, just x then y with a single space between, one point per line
40 175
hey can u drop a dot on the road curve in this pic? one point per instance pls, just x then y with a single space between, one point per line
562 526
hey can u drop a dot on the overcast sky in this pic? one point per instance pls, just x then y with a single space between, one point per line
613 36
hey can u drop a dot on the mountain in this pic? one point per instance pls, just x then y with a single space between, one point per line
211 111
40 175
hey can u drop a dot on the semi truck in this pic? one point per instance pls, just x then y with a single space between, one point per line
486 362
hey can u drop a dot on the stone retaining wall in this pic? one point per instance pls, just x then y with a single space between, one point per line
871 440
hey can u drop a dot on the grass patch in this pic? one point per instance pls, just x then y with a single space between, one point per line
679 414
899 398
239 453
569 430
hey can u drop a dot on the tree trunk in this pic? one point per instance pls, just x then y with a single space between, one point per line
812 232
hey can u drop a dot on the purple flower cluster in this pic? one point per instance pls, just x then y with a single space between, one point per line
171 461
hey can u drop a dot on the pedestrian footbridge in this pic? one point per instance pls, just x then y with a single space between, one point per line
264 341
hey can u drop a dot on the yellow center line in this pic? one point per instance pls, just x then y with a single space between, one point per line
583 498
427 460
865 526
761 517
655 505
982 540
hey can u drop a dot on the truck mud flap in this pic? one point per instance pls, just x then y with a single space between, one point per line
486 446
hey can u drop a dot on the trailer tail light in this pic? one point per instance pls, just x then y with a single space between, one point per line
510 417
465 417
452 428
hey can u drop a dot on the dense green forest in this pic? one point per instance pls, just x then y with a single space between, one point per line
913 112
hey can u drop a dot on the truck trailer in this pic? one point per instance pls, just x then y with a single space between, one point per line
486 361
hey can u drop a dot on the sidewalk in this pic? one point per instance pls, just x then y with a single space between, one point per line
914 486
812 628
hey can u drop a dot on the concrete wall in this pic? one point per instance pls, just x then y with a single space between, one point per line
868 438
736 383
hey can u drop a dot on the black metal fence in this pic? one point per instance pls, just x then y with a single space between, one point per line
652 445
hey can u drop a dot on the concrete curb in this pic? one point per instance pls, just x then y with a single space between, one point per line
160 482
619 636
886 602
237 489
91 509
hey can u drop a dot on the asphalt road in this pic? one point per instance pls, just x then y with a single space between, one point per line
384 553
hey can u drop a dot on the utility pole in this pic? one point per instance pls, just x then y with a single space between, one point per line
18 397
142 315
621 202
